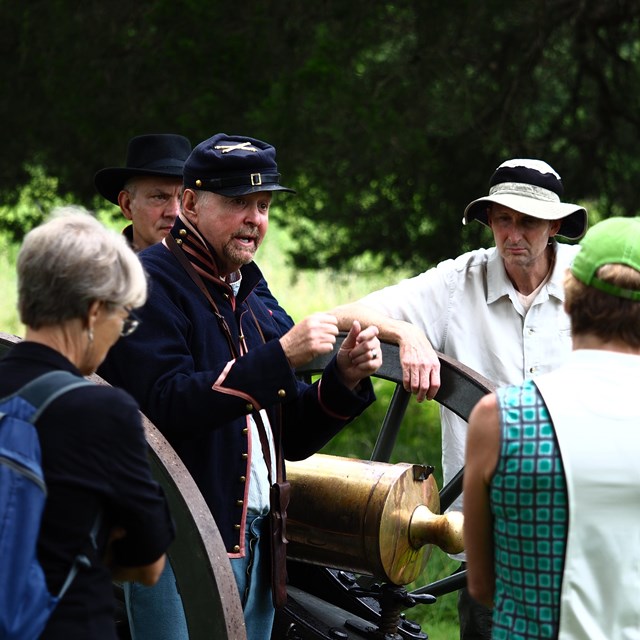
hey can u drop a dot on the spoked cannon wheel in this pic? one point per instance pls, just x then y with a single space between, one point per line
322 598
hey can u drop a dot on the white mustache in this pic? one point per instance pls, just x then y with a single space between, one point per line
251 233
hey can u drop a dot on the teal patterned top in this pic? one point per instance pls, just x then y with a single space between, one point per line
529 503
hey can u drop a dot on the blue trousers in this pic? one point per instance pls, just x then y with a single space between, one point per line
253 578
156 613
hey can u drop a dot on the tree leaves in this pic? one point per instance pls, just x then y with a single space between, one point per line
388 117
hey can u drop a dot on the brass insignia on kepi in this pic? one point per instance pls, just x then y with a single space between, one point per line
241 146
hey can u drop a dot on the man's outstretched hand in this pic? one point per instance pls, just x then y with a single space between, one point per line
358 357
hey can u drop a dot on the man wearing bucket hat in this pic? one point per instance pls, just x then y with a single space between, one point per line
498 310
213 370
551 477
147 188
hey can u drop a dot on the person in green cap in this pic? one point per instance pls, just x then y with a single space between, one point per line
552 481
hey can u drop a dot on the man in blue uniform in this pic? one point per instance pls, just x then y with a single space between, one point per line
148 191
214 371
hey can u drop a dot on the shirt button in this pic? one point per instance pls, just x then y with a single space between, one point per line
236 548
533 369
239 503
281 393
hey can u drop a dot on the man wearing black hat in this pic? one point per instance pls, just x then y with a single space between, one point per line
216 374
147 189
498 310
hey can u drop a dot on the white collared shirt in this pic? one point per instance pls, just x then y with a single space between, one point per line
469 310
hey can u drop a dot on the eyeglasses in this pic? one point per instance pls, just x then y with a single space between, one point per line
129 324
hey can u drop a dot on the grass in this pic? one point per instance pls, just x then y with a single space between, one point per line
302 293
9 322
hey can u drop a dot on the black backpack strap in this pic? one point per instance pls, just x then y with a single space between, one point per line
81 561
44 389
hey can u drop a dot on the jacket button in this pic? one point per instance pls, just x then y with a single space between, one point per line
243 479
183 232
248 407
239 503
245 431
236 548
245 456
236 527
281 393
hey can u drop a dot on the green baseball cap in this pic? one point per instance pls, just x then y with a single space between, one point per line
612 241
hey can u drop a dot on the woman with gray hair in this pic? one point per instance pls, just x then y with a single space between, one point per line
78 284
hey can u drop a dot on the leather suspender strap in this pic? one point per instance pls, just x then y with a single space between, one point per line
195 276
279 495
256 323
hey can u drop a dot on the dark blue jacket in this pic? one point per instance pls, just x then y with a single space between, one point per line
179 367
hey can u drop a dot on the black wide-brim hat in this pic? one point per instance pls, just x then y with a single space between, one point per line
233 166
154 154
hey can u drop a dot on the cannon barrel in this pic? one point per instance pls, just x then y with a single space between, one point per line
371 518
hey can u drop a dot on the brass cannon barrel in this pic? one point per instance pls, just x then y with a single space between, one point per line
371 518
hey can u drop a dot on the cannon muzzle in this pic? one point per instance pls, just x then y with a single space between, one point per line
371 518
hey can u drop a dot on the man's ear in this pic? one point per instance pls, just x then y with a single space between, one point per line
554 227
124 202
489 211
189 200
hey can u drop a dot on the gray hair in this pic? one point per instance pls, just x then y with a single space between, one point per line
131 185
203 197
70 261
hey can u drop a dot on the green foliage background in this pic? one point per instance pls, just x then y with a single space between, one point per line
388 116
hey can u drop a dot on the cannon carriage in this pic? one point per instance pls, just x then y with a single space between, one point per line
349 559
